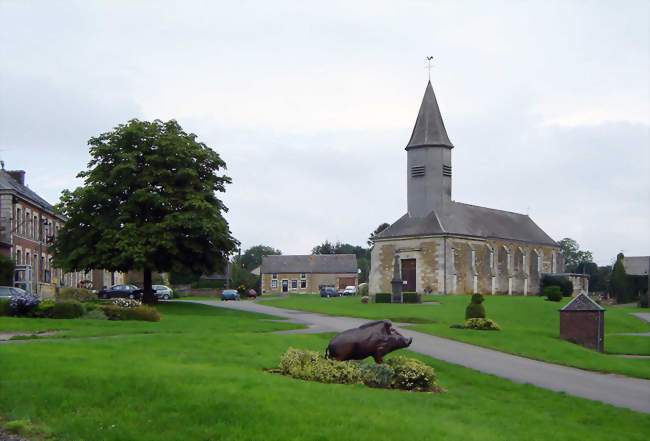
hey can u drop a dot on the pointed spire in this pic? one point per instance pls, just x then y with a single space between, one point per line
429 130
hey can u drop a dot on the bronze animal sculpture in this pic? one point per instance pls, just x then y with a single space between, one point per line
374 339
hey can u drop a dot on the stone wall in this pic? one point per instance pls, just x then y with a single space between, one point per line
473 265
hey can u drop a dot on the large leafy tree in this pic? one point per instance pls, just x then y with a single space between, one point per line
252 257
373 235
618 282
573 255
149 202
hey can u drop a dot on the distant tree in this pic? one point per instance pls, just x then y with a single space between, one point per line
6 271
252 257
363 255
573 256
373 235
241 278
148 203
324 248
618 281
598 275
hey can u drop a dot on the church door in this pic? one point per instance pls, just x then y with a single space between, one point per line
408 275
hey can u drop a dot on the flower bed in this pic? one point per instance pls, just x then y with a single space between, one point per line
396 373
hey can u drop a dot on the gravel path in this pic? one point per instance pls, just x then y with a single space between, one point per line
631 393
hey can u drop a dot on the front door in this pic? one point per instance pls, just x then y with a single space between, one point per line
408 275
285 286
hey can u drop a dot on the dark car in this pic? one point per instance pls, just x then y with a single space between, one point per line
329 291
229 294
121 291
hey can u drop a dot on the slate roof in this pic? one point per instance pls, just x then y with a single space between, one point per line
636 265
319 263
471 220
582 302
429 129
8 183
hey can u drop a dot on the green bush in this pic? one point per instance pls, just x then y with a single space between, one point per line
363 289
67 309
4 307
144 313
365 299
94 314
78 294
310 365
563 282
6 271
412 374
482 324
383 297
477 298
44 309
553 293
411 297
475 310
377 375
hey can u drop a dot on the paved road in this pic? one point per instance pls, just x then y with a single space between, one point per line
631 393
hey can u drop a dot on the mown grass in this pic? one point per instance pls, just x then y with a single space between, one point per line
530 327
199 375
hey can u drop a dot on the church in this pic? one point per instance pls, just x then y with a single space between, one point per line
448 247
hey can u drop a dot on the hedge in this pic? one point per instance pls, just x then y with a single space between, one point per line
563 282
79 294
553 293
383 297
411 297
67 309
144 313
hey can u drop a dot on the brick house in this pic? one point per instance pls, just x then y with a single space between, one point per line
308 273
28 224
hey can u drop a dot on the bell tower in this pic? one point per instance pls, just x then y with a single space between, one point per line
428 160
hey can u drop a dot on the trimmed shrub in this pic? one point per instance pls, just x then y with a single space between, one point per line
44 309
94 314
482 324
475 309
79 294
412 374
23 304
4 307
67 309
553 293
377 375
365 299
563 282
383 297
411 297
363 289
310 365
477 298
144 313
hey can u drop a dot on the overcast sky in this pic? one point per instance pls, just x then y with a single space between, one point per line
311 105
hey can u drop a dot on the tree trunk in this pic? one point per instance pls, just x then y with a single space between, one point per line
148 297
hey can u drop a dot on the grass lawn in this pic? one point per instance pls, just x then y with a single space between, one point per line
530 327
198 375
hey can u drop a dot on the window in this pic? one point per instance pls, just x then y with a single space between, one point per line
491 259
294 284
274 284
303 275
36 230
417 171
303 284
18 257
19 220
274 275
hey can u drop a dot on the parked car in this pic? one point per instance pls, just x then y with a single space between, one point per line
350 291
7 292
229 294
329 291
163 292
123 291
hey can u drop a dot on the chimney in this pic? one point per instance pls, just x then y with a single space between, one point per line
18 175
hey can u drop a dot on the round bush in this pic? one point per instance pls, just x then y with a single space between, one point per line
412 374
477 298
365 299
553 293
377 375
23 304
482 324
475 310
67 309
44 309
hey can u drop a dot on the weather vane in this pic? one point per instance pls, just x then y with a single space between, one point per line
429 59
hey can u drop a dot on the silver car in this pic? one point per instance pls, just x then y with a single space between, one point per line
163 292
7 292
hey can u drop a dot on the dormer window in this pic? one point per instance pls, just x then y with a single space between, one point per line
417 171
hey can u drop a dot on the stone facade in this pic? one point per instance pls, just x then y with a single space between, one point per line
467 266
306 282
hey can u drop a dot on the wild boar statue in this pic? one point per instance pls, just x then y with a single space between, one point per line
374 339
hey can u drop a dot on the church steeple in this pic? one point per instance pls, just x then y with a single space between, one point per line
428 161
429 130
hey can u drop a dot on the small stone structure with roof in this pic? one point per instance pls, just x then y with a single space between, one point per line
582 321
